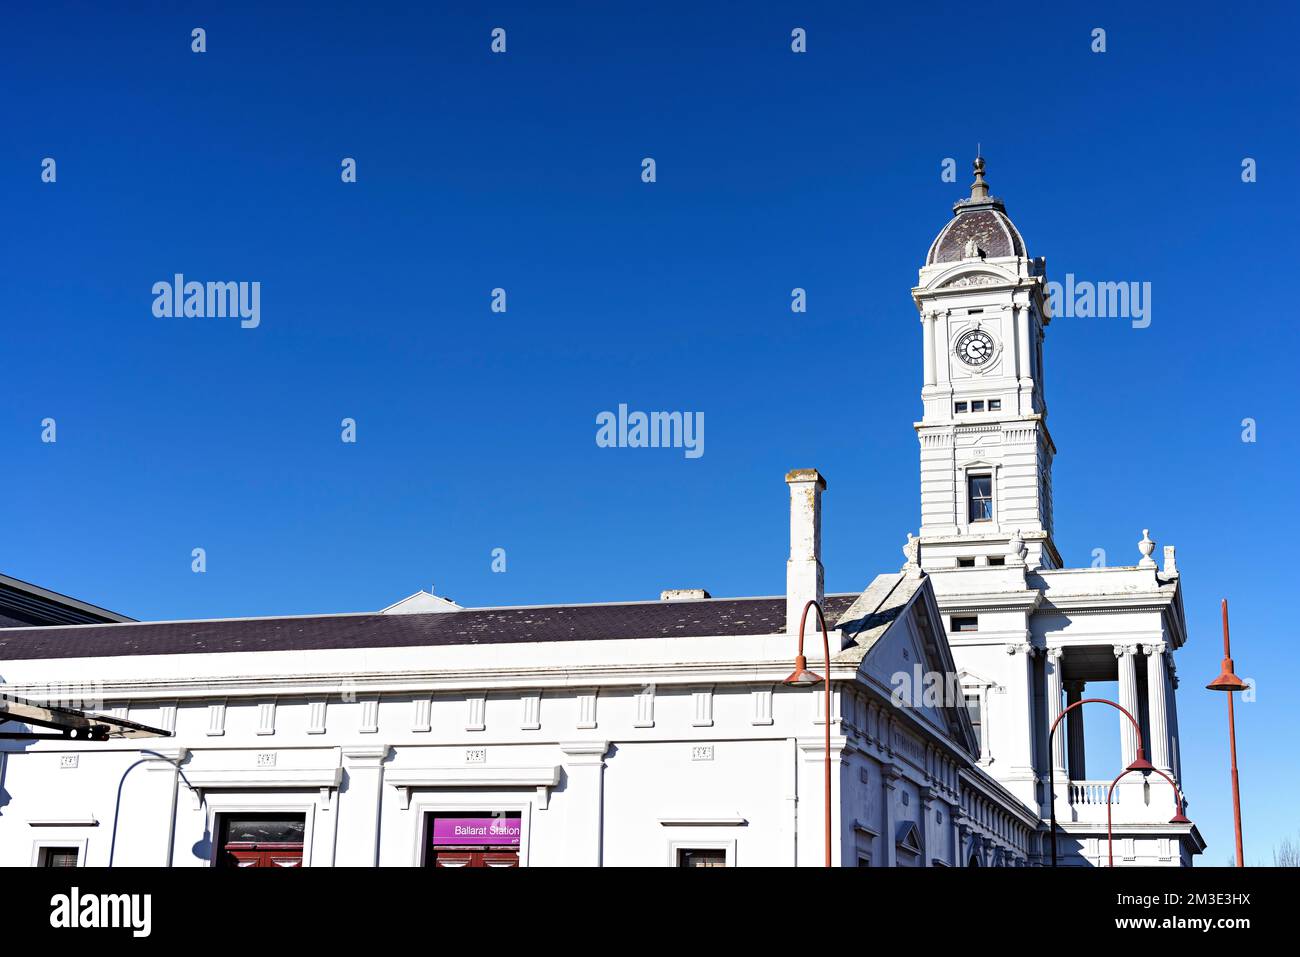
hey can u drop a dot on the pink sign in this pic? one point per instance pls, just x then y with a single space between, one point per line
476 830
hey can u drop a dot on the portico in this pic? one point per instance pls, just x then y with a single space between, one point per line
1142 675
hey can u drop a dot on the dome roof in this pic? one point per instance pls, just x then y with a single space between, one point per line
981 220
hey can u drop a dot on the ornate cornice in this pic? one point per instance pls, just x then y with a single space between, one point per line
446 681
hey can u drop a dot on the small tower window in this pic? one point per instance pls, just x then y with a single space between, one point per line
980 488
976 719
995 405
959 407
977 405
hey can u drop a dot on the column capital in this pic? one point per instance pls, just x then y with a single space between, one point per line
365 755
172 755
1021 647
1158 648
1123 650
1055 652
580 753
1075 686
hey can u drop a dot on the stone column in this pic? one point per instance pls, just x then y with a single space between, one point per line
1172 708
584 802
889 776
151 812
929 802
1074 727
1024 370
172 758
1157 707
357 840
1128 699
1054 709
1023 778
927 345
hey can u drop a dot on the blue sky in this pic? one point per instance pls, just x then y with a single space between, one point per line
476 429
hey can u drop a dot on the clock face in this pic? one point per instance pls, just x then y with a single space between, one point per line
975 347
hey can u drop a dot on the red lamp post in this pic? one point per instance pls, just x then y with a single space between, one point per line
1229 682
1140 762
1178 818
801 677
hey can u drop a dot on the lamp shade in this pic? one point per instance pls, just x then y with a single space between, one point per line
1227 680
801 677
1140 763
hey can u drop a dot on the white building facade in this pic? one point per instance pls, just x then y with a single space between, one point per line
660 733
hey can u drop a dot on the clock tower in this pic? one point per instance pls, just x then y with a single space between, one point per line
986 454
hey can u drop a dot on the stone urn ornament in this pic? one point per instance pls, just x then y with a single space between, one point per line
1146 547
1017 550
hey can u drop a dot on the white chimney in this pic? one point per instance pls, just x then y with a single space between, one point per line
804 579
684 594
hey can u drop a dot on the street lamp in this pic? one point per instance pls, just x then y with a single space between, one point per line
801 677
1139 763
1178 818
1229 682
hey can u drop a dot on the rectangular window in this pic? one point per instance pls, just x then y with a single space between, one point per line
995 405
977 405
976 718
960 407
965 624
260 840
965 563
711 857
980 488
58 857
999 560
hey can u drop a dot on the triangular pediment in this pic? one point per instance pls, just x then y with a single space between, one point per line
908 838
897 633
421 603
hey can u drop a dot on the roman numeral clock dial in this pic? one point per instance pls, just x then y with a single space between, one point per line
976 348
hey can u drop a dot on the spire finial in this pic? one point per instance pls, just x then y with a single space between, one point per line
979 190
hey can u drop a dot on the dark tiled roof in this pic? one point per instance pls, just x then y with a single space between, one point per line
682 619
992 230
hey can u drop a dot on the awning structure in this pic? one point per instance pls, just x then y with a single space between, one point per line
69 724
